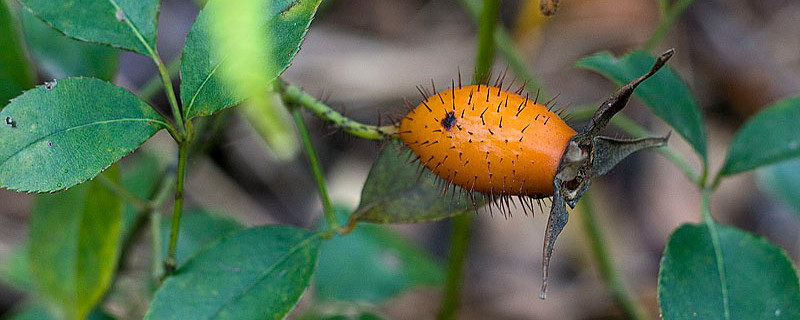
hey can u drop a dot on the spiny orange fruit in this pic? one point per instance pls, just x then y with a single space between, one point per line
487 140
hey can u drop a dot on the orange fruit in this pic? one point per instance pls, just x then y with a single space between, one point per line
487 140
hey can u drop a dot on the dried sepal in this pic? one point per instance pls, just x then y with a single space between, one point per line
609 151
588 155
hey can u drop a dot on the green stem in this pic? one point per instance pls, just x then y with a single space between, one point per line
173 101
458 253
669 16
605 265
170 263
292 94
154 85
313 160
486 27
507 48
124 193
631 127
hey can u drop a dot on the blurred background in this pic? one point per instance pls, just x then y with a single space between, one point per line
364 56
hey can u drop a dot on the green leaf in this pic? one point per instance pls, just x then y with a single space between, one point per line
74 237
396 192
759 281
59 57
64 133
126 24
15 71
372 264
257 273
783 181
198 228
664 93
769 137
203 89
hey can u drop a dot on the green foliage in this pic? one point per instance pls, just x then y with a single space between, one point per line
664 93
372 264
55 147
74 239
14 269
256 273
769 137
397 192
59 57
40 312
15 72
203 90
758 280
783 181
126 24
199 227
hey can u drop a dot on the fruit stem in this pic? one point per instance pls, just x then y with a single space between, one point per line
316 168
624 298
292 94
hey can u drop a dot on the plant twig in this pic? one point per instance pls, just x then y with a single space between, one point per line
605 265
292 94
316 168
170 263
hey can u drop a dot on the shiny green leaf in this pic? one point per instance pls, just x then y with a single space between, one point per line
126 24
74 245
757 280
64 133
783 181
257 273
203 89
198 228
664 93
372 264
768 137
59 57
397 192
15 72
